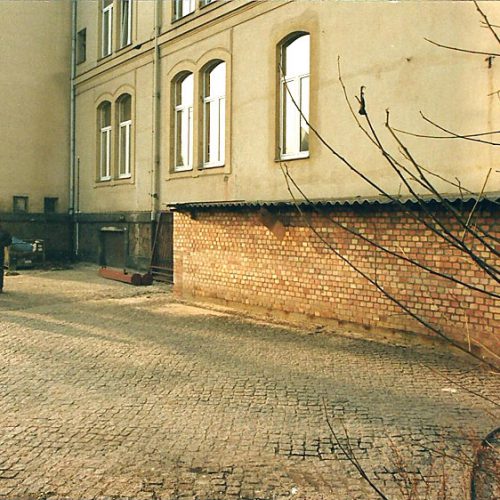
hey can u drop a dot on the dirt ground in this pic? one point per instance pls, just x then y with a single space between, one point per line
113 391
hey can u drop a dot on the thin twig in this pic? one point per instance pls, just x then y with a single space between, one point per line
402 256
461 386
377 285
487 21
351 457
452 136
459 136
458 49
476 204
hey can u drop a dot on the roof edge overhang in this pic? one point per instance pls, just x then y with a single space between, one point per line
491 197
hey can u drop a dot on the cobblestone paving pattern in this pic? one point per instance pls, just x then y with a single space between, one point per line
110 391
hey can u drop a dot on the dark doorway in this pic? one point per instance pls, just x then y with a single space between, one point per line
113 247
162 260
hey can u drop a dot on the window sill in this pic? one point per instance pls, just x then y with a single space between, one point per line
103 58
114 182
181 170
206 166
176 20
298 156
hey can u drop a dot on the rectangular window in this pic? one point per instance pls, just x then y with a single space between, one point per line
107 27
126 23
105 167
206 2
81 46
183 8
50 205
20 204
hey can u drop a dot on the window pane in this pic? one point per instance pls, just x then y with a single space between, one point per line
222 129
105 152
186 91
105 32
105 114
296 60
125 108
213 138
105 3
125 150
206 139
216 81
126 25
304 106
291 118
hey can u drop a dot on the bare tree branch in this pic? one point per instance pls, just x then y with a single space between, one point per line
454 135
350 455
458 49
376 284
400 256
477 202
487 22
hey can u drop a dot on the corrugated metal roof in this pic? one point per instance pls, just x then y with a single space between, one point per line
325 202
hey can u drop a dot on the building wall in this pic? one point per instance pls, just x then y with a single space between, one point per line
381 46
230 255
35 54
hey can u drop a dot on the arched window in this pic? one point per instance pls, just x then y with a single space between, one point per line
124 137
183 123
214 114
104 120
294 96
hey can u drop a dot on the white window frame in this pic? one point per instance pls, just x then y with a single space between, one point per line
128 40
221 142
183 112
105 160
182 8
107 42
127 173
285 84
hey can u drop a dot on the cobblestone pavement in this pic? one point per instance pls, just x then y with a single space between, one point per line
110 391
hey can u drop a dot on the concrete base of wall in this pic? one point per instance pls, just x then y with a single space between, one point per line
54 229
136 227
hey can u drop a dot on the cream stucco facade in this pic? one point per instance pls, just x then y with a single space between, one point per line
380 45
35 55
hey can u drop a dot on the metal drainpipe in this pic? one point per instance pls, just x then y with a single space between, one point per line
72 124
156 111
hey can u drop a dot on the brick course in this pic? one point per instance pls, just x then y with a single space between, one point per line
231 255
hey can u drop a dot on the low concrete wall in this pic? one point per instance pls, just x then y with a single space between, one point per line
54 229
137 229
